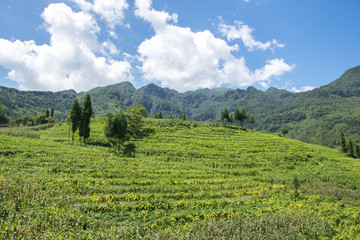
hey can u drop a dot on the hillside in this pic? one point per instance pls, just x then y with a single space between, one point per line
188 180
318 116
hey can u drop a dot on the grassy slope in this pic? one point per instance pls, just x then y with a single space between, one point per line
187 180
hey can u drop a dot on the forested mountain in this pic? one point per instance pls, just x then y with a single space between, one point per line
318 116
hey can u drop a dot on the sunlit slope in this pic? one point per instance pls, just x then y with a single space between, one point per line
183 173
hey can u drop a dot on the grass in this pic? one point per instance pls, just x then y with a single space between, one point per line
188 181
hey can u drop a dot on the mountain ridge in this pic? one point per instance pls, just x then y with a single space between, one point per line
272 109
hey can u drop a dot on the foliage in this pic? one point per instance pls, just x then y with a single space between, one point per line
159 115
116 129
182 116
284 131
75 116
3 117
344 147
240 116
252 121
350 149
40 118
86 114
187 180
224 116
135 115
317 116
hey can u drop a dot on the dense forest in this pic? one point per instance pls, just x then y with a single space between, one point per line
319 116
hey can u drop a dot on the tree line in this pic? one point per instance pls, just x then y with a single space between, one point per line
349 148
27 120
238 117
119 128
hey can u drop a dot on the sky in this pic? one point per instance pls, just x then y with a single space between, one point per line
185 45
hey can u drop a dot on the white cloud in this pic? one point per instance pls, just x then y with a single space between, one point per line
157 19
112 11
244 33
186 60
302 89
73 59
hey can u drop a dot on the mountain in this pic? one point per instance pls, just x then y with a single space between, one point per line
317 116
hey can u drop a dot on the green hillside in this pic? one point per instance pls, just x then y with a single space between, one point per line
318 116
188 180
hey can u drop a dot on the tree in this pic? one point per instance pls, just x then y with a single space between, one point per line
343 143
182 116
240 116
135 115
3 117
252 121
350 149
224 116
47 113
116 129
284 131
75 116
41 118
296 183
86 114
237 114
52 112
159 115
357 151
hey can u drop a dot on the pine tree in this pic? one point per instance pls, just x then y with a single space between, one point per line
75 116
182 117
350 149
52 113
86 114
343 143
240 116
159 115
3 118
357 151
224 116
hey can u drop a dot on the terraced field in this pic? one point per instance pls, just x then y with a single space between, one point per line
187 180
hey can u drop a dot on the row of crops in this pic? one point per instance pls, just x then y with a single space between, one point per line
185 178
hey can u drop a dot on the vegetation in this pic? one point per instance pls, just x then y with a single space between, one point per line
182 116
240 116
318 116
86 114
284 131
224 116
135 115
188 180
75 116
3 117
116 129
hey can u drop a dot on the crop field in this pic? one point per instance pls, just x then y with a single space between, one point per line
187 180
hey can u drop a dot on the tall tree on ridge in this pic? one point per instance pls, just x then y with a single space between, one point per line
86 114
75 116
224 116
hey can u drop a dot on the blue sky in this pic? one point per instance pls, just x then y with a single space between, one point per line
184 45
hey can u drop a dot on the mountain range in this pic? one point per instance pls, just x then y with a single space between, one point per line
318 116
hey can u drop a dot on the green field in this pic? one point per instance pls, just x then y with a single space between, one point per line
187 180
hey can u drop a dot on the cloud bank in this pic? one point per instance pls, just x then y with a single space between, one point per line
74 59
175 56
185 60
